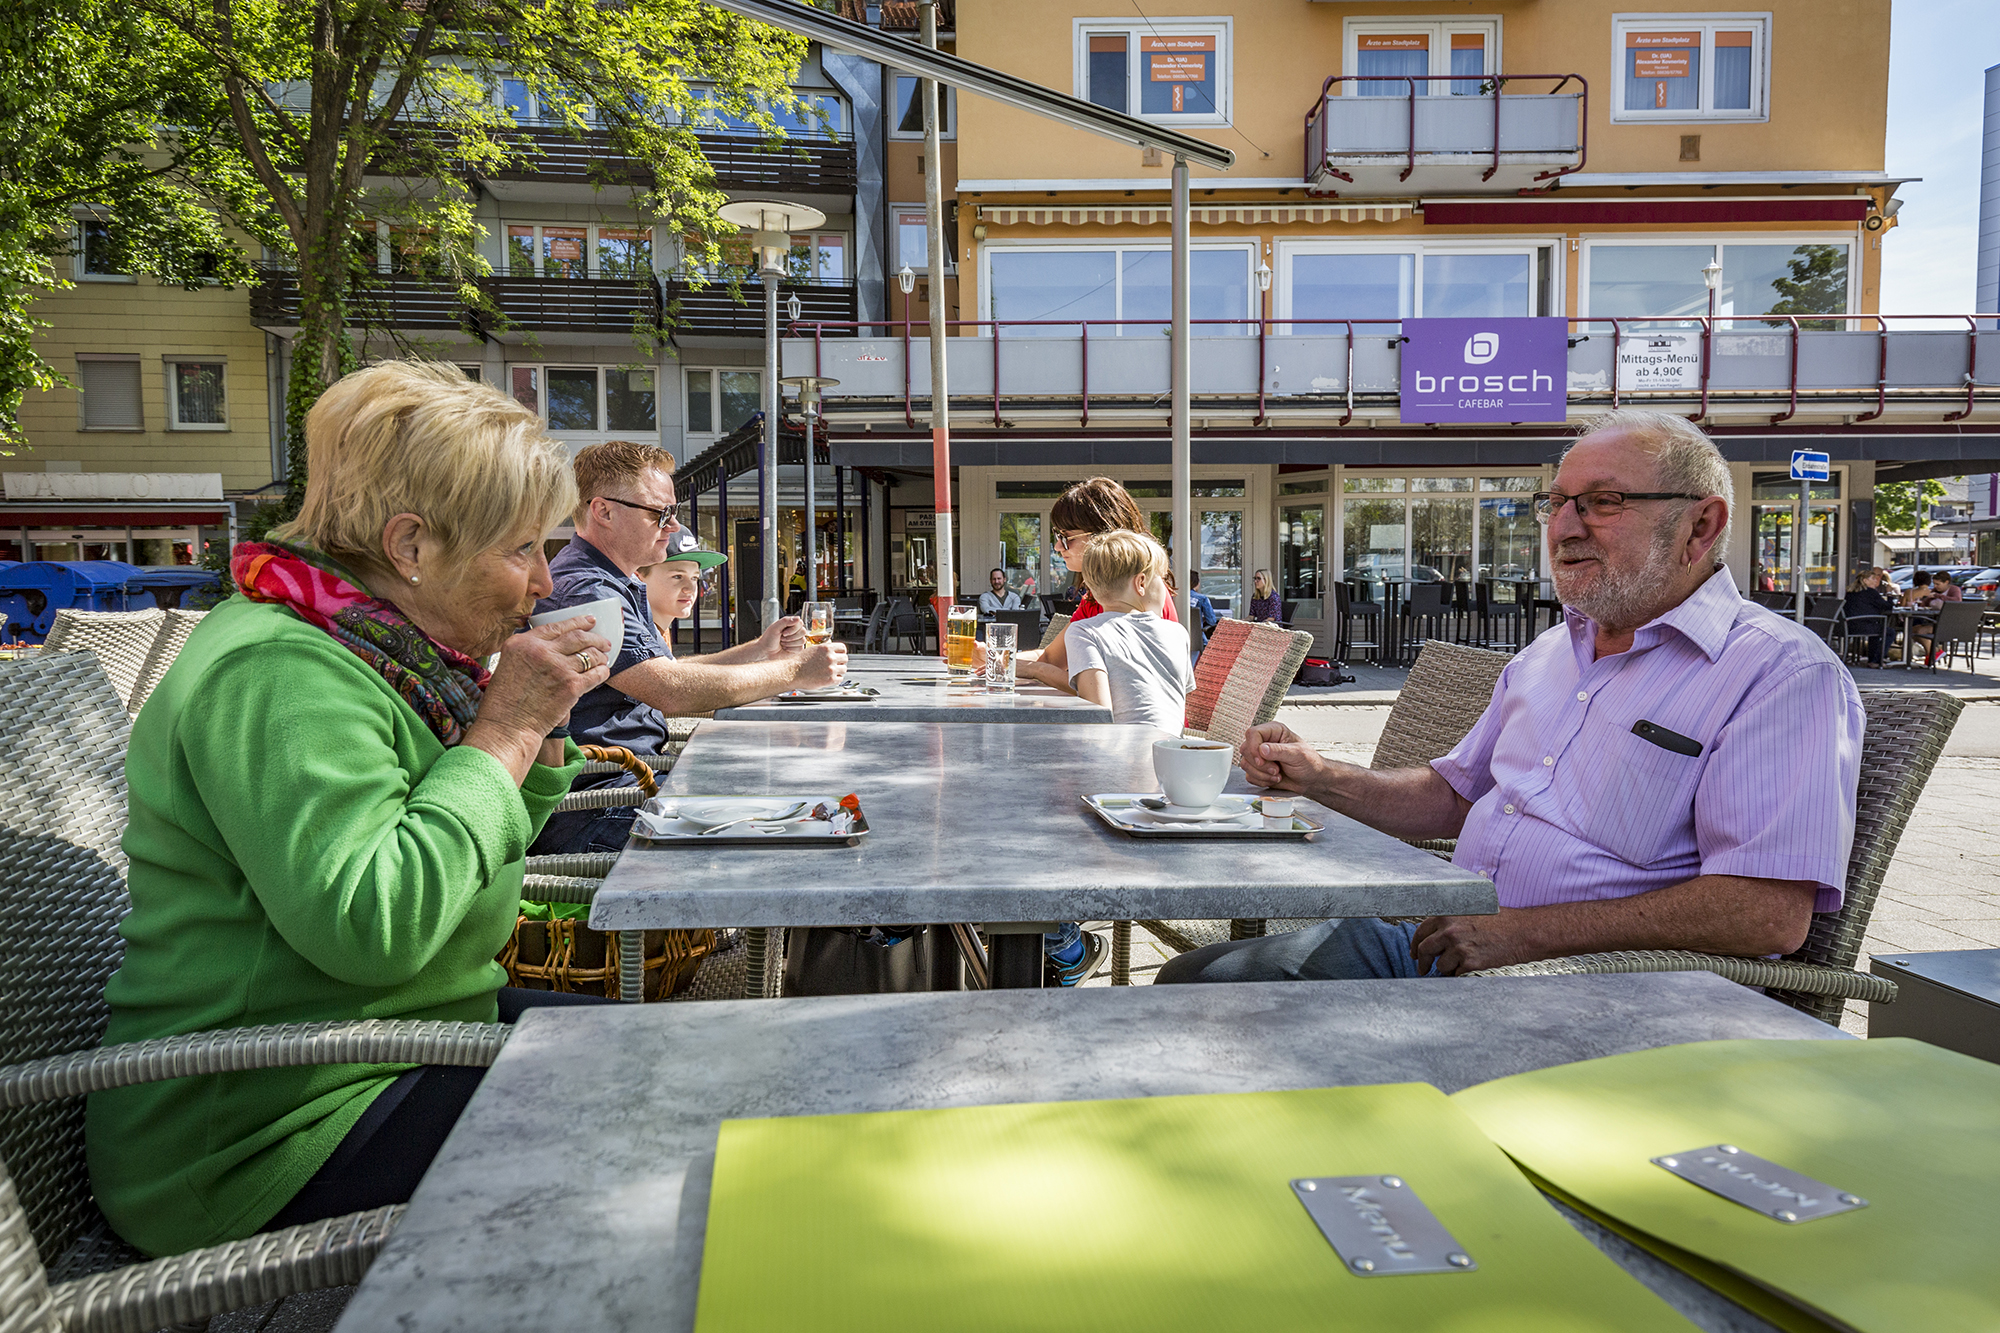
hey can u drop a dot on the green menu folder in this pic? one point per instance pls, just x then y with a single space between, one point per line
1153 1214
1913 1129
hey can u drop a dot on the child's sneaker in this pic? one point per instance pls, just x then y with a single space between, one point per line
1084 968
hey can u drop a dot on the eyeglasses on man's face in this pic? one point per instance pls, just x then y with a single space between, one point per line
1598 505
661 517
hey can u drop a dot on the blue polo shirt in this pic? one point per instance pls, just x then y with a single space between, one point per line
606 716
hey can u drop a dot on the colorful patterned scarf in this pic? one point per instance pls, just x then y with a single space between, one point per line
443 685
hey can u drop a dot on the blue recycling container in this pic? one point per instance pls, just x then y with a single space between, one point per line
32 592
169 585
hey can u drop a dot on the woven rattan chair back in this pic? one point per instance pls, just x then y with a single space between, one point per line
1242 677
62 893
1447 689
120 639
167 645
1907 731
1056 625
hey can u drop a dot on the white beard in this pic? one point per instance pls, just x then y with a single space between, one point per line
1619 598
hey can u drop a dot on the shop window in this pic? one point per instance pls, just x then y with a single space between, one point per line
195 395
1073 283
1692 68
108 393
1169 71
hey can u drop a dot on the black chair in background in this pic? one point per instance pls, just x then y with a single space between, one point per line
1347 610
1498 625
1956 633
1429 613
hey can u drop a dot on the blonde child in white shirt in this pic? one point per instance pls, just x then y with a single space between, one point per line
1131 659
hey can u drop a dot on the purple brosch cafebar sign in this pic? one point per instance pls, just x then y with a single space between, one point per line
1467 370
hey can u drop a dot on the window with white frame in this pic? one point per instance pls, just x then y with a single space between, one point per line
1678 67
913 239
93 253
108 392
720 399
1175 70
818 257
588 398
577 250
1760 276
1115 281
1385 281
909 121
195 395
1441 57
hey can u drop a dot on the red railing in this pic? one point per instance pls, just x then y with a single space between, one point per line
1576 323
1496 83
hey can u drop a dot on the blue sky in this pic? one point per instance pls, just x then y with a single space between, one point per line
1938 54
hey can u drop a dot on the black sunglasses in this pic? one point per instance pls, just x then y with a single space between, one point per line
660 516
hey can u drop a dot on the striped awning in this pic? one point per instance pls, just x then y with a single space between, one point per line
1214 215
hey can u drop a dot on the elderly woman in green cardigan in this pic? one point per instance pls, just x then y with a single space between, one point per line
331 804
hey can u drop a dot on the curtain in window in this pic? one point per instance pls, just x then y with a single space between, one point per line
1732 71
1402 55
1107 70
1468 57
1353 286
1662 71
198 394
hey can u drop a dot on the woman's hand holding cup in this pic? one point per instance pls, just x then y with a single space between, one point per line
542 673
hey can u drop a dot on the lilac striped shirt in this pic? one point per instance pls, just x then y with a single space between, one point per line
1569 804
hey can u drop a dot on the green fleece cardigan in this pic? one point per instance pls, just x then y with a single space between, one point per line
302 849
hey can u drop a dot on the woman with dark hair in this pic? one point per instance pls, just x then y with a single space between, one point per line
1082 512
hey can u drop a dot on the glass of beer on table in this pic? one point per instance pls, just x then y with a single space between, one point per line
818 617
961 647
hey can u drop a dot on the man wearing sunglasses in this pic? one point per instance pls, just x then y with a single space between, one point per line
1672 767
626 520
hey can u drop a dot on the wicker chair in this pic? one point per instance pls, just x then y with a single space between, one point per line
1239 683
62 886
121 641
1907 731
1053 630
173 636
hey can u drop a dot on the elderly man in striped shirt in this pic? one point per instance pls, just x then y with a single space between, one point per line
1673 767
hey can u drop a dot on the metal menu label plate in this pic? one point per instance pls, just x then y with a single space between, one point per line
1759 1185
1379 1227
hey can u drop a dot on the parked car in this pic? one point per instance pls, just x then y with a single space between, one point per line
1983 584
1900 575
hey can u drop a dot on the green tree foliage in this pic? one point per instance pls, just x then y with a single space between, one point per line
94 131
1817 286
1905 506
320 119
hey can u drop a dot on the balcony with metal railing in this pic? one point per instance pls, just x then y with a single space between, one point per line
595 303
1330 373
1398 135
801 164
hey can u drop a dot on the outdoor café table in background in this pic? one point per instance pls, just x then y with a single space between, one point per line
986 824
1909 615
574 1190
915 689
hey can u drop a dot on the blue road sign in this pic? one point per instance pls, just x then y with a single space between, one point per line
1810 466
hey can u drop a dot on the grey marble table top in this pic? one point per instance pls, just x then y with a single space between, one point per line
917 689
573 1191
986 824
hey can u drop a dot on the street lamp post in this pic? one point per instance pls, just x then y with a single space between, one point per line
772 223
809 387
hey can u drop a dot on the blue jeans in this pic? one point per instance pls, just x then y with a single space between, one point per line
1055 941
1357 949
576 831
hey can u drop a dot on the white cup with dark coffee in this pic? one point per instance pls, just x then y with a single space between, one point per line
1192 771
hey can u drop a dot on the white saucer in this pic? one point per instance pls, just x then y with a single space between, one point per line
1226 807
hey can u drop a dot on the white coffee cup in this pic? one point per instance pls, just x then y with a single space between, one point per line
1191 770
610 615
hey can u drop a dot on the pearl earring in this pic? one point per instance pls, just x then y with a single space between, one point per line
413 578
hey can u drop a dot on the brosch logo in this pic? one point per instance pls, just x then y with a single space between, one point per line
1481 348
1493 369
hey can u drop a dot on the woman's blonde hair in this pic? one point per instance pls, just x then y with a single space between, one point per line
417 437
